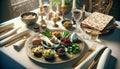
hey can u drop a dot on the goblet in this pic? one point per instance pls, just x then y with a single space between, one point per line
63 11
43 23
55 18
77 14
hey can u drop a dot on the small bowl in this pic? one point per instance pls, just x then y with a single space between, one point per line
29 18
67 23
60 50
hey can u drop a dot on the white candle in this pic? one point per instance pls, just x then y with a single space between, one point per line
63 2
40 3
74 4
57 8
50 4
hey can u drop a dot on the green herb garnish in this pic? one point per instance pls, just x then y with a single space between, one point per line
73 49
47 33
65 34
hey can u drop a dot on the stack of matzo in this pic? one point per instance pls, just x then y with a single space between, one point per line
98 21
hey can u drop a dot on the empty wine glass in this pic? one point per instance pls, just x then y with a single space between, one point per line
77 14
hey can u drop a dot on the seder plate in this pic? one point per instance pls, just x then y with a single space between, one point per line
57 59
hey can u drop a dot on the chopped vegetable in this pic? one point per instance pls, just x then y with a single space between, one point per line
73 49
36 41
66 41
47 33
65 34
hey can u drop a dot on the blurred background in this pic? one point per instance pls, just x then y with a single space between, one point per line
12 8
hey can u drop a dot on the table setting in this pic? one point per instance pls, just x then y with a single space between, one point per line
48 40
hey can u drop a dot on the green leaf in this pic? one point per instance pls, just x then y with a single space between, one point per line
65 34
47 33
73 49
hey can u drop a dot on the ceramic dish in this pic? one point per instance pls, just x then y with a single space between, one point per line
57 59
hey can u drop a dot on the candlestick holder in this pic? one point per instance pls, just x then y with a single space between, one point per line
43 23
83 12
40 11
55 19
63 11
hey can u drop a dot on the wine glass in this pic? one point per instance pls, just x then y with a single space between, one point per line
46 8
77 14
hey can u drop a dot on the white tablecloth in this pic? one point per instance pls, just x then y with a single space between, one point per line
14 59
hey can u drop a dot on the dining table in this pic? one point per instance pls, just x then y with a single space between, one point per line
13 59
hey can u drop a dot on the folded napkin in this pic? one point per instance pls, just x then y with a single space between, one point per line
9 33
6 26
103 61
14 37
105 56
19 45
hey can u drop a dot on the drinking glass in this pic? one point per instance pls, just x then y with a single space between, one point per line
77 14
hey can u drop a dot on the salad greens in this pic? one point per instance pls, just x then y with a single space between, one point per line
47 33
73 49
65 34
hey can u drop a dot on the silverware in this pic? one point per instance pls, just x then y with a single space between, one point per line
96 58
83 58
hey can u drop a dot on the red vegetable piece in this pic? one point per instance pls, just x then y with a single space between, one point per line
36 41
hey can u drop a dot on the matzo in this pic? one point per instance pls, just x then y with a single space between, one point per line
97 21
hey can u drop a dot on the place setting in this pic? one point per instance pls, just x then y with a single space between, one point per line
55 45
53 39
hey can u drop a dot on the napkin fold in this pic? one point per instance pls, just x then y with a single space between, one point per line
14 37
19 45
6 26
103 61
86 63
102 64
9 33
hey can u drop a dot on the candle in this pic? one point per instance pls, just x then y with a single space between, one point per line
40 3
63 2
50 5
74 4
83 7
57 8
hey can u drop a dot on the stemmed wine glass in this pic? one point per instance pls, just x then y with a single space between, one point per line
77 15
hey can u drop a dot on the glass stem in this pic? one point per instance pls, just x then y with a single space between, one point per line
78 26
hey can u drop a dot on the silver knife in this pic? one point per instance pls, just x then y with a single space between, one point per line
96 58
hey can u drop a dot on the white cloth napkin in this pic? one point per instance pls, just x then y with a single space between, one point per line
14 37
6 26
103 59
